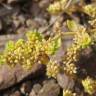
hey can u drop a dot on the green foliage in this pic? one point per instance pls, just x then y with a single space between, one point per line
82 39
10 46
72 26
34 35
57 7
30 51
53 45
1 59
90 10
36 49
89 85
19 43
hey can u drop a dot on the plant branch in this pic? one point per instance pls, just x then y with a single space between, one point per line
58 17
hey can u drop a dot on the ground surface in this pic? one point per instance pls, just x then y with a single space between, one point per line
19 16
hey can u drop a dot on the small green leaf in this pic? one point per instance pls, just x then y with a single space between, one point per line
34 35
86 41
1 59
54 45
72 26
9 46
90 9
20 42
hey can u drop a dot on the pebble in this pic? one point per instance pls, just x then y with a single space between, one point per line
17 93
11 1
1 79
26 87
41 21
64 81
37 88
49 89
44 3
32 23
32 93
2 1
16 23
0 25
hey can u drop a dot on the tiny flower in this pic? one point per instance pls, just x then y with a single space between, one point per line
70 69
68 93
89 85
53 69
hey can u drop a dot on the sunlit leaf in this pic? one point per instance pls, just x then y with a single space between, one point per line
9 46
72 26
34 35
53 45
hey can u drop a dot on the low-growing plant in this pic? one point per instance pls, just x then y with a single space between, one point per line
37 49
28 52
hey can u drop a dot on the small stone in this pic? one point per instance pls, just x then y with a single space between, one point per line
49 81
33 8
11 1
32 23
50 89
21 18
2 1
44 3
0 25
32 93
17 93
1 79
64 81
16 23
22 29
37 88
26 87
41 21
7 77
87 52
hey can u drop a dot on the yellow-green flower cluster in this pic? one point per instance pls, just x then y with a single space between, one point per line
82 38
70 69
70 59
31 51
90 10
35 36
53 68
89 85
72 53
24 53
68 93
52 45
81 41
57 6
93 23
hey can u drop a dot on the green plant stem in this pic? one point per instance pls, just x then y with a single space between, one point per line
68 33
